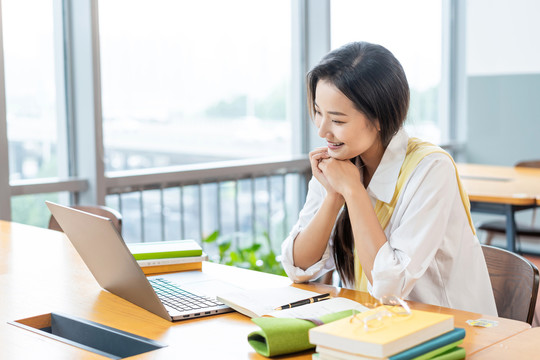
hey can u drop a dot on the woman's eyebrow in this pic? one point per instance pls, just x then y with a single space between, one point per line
338 113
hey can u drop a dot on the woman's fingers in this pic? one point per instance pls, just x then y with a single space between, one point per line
318 153
316 156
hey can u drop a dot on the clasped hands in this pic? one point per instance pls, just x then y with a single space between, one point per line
337 176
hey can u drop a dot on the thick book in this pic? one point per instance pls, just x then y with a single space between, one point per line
454 353
165 269
173 261
426 350
165 249
263 302
170 265
398 335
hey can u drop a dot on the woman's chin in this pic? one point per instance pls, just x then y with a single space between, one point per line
338 155
341 158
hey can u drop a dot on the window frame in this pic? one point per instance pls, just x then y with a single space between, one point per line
85 177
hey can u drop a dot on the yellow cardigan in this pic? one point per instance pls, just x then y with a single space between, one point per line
416 151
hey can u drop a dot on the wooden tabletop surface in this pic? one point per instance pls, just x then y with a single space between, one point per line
40 273
501 184
525 345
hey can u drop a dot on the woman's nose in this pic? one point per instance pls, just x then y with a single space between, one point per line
323 127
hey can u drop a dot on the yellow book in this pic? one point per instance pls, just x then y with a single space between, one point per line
163 266
393 336
164 269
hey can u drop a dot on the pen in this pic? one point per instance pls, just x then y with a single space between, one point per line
305 301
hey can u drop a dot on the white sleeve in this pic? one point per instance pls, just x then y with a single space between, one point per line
417 228
314 200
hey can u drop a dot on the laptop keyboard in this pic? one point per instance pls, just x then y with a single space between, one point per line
179 299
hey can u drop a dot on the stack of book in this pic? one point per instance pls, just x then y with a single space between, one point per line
168 256
422 335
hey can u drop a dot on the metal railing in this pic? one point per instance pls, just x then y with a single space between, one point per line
239 198
243 198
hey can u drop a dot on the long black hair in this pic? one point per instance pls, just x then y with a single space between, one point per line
373 79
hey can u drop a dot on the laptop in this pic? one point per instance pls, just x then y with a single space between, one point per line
175 296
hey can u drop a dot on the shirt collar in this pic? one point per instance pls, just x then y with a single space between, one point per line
383 183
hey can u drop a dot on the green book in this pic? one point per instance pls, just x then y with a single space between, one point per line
456 353
445 344
165 249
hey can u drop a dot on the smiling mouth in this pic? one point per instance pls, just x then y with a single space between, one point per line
334 144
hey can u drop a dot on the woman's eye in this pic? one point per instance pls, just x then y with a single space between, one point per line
337 122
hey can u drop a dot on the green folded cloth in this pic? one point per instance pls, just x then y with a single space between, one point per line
279 336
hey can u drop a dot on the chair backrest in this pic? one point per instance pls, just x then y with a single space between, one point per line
514 280
528 164
104 211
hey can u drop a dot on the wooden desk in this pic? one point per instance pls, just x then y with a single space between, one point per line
501 190
40 272
520 346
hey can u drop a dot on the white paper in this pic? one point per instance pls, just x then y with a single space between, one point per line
319 308
259 302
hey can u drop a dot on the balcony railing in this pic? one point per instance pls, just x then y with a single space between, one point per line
240 199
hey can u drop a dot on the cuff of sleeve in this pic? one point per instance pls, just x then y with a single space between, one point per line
387 273
296 274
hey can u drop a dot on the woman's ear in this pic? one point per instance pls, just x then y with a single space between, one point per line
377 125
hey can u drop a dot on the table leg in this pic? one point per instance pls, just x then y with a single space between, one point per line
510 228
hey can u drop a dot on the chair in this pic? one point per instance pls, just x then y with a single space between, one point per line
327 278
499 226
104 211
514 280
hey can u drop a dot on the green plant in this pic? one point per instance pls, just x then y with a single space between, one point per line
254 256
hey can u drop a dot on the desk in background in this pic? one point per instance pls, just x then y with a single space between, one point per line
40 273
501 190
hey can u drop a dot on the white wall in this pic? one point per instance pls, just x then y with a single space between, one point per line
503 37
503 81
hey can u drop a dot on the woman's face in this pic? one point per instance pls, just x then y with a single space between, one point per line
348 132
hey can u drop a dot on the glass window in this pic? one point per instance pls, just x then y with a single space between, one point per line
31 209
412 30
31 89
194 81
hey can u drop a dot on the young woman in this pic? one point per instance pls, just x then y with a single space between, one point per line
387 211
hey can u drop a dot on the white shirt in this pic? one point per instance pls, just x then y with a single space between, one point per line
431 254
